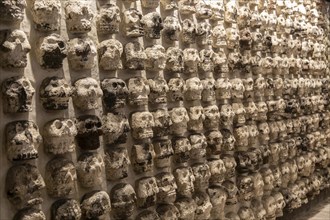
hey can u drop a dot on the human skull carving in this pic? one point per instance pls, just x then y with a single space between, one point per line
280 203
202 174
174 62
231 11
245 213
167 187
219 36
46 14
59 136
245 187
182 148
204 205
241 135
81 53
226 115
185 180
194 89
55 93
208 93
109 52
87 93
156 58
142 124
206 60
135 56
132 23
190 59
115 93
214 142
60 177
198 146
180 118
203 9
212 116
164 152
204 33
223 88
239 111
177 88
14 47
12 11
232 37
228 139
172 28
51 50
89 129
187 207
230 164
237 88
138 91
78 17
22 140
95 205
123 200
108 19
30 213
116 163
232 190
146 190
258 209
23 185
218 196
115 128
65 208
152 24
148 215
188 34
89 169
162 122
217 11
270 207
142 157
196 115
268 179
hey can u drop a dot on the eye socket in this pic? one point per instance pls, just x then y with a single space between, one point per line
58 124
69 123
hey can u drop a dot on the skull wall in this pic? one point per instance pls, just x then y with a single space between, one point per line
158 109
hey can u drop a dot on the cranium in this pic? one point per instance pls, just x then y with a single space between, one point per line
90 169
89 129
142 156
60 177
81 53
146 191
142 124
22 140
79 17
123 200
116 163
158 90
95 204
14 47
108 19
59 136
134 56
66 208
109 52
55 93
152 24
23 185
133 26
